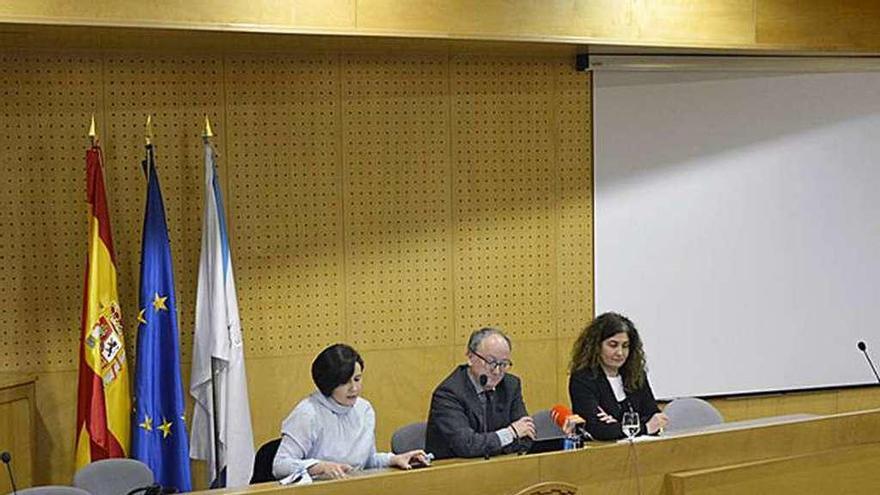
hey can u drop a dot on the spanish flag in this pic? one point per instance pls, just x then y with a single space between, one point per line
104 404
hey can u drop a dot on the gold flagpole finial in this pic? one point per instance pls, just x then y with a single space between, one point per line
208 132
93 136
149 132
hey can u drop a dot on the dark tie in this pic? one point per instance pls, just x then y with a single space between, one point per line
489 416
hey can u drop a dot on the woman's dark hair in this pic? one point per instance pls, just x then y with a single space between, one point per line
587 350
334 366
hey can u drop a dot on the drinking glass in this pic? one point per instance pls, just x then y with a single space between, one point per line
630 424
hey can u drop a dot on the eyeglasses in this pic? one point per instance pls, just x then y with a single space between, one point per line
503 365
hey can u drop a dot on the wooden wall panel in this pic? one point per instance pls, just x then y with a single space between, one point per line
45 103
395 202
504 188
821 449
851 470
818 24
858 399
719 22
18 426
574 203
177 92
285 204
56 426
696 23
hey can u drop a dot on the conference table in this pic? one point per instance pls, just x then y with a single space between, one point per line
800 454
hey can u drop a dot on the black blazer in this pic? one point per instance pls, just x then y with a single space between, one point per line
589 391
455 421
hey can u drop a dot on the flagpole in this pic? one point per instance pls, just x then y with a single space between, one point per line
93 136
103 412
157 377
148 134
215 369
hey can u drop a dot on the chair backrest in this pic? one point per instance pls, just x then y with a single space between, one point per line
409 437
53 490
113 476
263 462
545 427
550 488
690 412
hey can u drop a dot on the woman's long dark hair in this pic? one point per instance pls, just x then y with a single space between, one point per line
587 350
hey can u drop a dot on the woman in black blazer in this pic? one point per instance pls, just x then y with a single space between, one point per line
608 378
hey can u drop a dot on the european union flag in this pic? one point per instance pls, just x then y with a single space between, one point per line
159 436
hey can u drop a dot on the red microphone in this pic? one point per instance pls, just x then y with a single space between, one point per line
560 414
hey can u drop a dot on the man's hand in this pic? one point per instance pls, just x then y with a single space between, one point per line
409 459
571 423
524 427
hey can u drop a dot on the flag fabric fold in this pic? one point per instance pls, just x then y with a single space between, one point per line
218 339
159 436
103 400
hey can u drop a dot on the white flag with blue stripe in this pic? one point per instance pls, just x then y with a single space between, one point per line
218 337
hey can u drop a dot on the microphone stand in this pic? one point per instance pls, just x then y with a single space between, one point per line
154 489
7 458
146 490
864 349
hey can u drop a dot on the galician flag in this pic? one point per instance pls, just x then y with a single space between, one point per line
103 401
218 339
159 438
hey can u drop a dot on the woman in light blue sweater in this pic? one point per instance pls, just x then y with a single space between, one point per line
332 431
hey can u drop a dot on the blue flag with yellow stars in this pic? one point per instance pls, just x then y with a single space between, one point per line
159 437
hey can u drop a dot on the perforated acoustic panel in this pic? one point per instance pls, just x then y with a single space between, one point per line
397 201
387 201
504 185
45 103
286 201
574 202
177 92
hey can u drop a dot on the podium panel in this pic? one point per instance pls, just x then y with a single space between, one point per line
17 428
854 468
721 461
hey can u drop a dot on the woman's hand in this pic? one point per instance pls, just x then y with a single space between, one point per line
329 470
657 423
406 460
571 423
605 417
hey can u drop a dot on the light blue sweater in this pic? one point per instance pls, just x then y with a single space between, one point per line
321 429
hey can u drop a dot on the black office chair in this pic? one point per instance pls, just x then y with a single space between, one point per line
263 462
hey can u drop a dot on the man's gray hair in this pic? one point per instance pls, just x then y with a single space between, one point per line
479 335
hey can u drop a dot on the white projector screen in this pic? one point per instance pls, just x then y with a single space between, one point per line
737 223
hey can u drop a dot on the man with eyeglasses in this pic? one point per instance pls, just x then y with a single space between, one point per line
478 410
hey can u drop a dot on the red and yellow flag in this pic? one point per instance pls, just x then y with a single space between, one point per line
104 403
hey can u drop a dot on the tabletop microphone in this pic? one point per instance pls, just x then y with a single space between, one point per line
864 349
560 414
7 458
